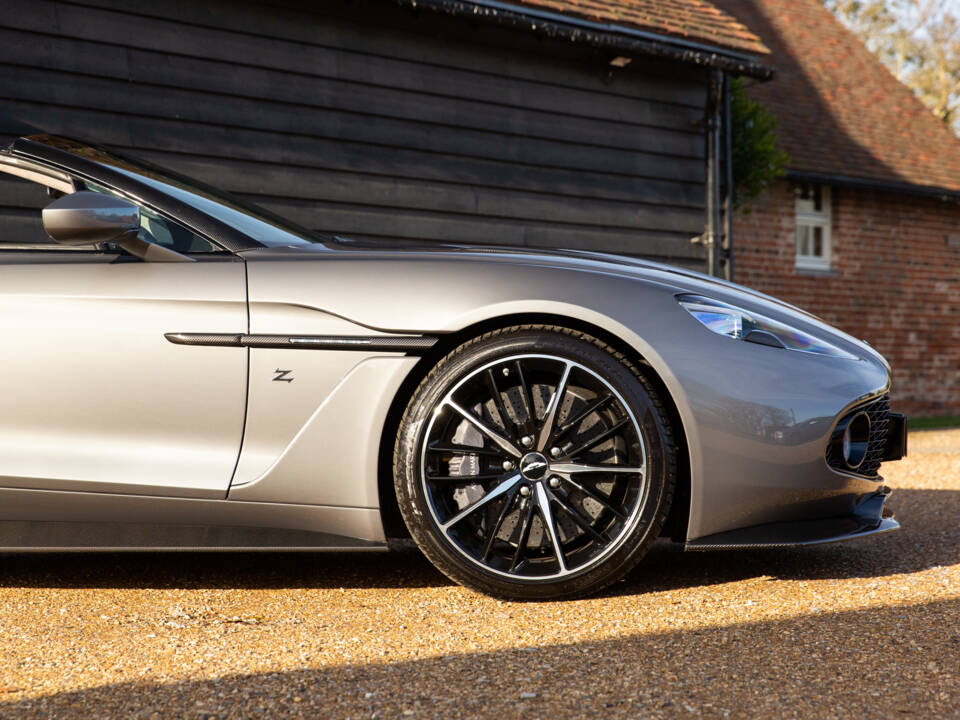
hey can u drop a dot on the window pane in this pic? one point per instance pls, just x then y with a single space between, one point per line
156 229
803 240
818 241
160 231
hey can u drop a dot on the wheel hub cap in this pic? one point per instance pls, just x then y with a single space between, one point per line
534 466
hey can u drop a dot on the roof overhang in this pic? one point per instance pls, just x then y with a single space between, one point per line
863 183
621 39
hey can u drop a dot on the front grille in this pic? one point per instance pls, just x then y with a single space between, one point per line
879 411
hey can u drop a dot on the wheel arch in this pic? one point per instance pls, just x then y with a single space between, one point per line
394 527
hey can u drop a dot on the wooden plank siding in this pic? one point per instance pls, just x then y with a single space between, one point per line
366 120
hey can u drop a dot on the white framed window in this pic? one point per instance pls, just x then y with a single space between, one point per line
813 227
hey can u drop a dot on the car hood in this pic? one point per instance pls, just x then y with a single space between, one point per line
572 259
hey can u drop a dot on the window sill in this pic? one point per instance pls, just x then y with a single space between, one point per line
814 271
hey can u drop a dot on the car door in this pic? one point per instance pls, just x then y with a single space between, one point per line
93 397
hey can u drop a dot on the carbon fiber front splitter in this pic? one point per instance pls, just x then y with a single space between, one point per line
867 519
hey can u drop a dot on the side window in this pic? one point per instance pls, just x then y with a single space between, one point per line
813 227
159 230
25 190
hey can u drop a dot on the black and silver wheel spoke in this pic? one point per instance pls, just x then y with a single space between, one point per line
579 519
451 449
591 409
546 514
524 537
597 439
604 502
491 382
463 478
499 490
495 530
530 424
549 420
534 467
486 429
569 468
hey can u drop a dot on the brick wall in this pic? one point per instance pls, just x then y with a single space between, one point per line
895 282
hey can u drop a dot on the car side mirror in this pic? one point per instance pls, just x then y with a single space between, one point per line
90 218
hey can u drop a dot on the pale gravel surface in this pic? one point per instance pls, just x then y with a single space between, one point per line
866 629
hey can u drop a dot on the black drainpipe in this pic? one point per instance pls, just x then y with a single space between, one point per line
713 237
728 163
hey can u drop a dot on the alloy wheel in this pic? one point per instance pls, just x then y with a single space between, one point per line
534 467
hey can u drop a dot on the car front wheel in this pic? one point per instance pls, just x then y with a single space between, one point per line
534 462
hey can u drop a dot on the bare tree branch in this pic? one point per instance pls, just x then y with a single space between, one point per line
918 40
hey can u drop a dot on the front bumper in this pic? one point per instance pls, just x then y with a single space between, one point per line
868 518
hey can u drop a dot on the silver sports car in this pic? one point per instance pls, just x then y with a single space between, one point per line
181 370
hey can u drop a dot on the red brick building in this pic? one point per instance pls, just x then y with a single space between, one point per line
865 229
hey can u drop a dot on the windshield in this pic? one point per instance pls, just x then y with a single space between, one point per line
253 221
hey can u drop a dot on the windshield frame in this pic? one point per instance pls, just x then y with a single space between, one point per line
143 183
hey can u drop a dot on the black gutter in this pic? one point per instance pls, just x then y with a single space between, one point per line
617 38
728 209
712 238
862 183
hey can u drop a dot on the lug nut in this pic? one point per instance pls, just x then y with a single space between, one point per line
507 465
525 490
554 452
526 440
554 482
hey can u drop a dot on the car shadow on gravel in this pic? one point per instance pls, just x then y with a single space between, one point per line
878 662
930 537
211 570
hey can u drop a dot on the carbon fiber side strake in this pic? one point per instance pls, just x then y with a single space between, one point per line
389 343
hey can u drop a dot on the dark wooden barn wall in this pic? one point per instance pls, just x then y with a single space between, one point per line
369 121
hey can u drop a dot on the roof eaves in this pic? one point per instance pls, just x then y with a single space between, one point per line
866 183
620 38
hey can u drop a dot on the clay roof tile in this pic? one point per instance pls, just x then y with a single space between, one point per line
694 20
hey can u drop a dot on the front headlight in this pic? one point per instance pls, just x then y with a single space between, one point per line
739 324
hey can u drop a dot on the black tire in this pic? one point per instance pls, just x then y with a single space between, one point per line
474 494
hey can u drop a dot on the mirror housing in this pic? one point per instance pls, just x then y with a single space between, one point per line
89 218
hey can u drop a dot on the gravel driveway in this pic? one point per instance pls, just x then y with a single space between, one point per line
863 629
